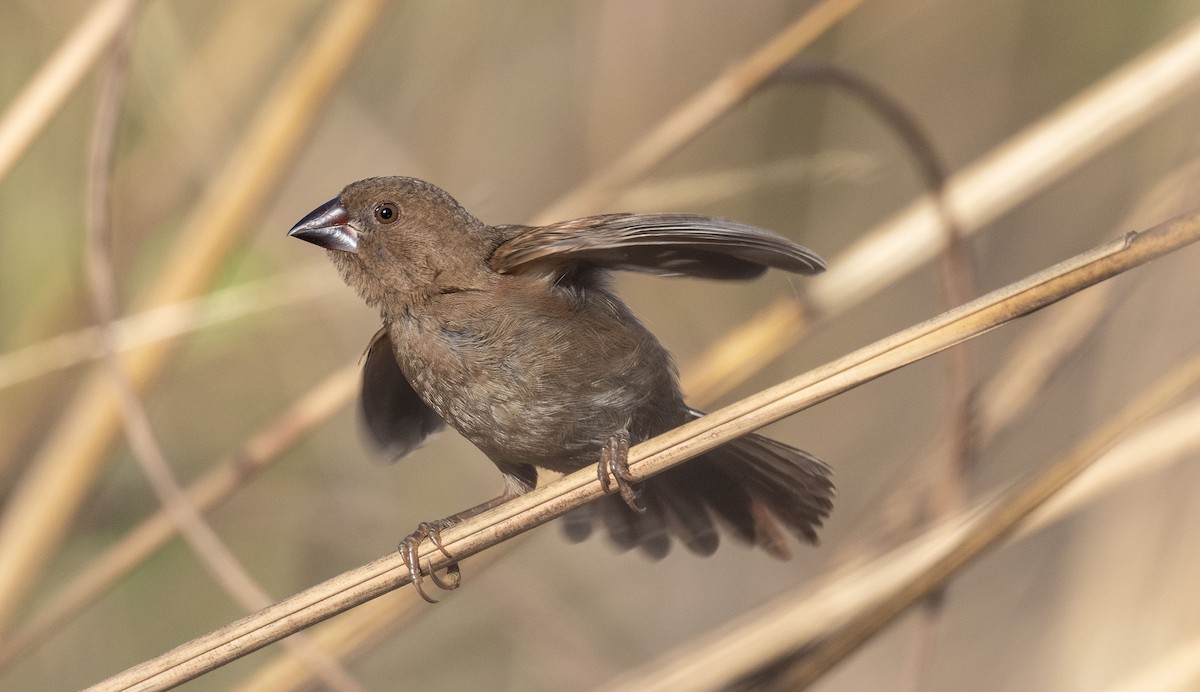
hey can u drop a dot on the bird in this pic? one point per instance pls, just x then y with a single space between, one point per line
514 336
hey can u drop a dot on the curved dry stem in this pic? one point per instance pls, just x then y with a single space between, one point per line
1037 156
655 455
1037 354
255 33
948 495
697 113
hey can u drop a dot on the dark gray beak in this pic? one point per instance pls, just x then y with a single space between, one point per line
328 226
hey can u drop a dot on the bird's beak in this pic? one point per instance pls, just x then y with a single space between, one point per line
328 226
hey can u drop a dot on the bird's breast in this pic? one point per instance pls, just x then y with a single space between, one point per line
528 384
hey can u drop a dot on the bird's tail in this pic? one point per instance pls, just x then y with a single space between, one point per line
754 487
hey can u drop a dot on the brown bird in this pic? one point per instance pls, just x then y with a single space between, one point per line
514 336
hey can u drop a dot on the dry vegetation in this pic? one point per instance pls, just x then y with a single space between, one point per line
1062 124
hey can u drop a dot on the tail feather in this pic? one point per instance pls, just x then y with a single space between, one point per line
669 513
751 487
729 503
628 530
688 521
795 490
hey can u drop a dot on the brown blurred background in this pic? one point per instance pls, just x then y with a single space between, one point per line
509 106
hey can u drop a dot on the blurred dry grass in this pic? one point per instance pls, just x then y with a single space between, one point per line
509 107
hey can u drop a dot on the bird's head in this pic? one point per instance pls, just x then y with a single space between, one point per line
399 239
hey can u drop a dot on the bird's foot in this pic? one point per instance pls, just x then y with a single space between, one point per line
614 461
408 553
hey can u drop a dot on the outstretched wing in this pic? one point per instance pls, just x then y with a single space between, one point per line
397 420
663 244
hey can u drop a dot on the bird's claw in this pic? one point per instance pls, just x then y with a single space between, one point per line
409 555
614 462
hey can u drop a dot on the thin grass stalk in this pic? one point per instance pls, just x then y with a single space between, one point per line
698 113
148 190
999 521
1040 154
172 321
870 594
1037 354
225 478
45 501
46 92
947 496
354 632
206 545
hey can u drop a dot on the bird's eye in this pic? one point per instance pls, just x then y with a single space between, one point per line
387 212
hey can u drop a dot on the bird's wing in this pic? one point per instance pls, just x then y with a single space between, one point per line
663 244
397 420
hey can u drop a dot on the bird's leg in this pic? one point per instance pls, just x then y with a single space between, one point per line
614 460
433 531
516 483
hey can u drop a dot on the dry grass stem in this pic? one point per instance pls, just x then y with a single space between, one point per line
864 598
924 647
205 543
44 502
542 504
162 323
197 112
48 90
354 632
947 495
225 478
1043 348
1035 357
221 563
201 89
698 113
997 521
1037 354
1167 439
1040 154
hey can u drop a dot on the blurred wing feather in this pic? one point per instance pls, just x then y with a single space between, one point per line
397 420
663 244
